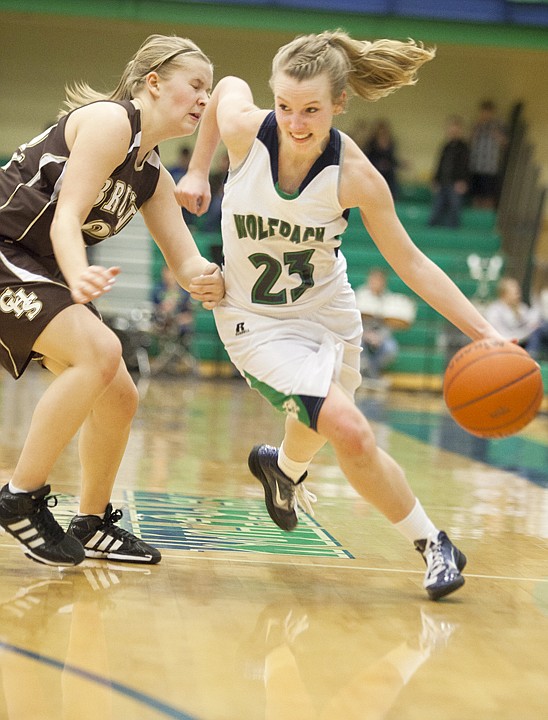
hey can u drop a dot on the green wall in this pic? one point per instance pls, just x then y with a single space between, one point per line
264 18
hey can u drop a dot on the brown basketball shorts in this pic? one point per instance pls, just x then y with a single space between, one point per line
32 293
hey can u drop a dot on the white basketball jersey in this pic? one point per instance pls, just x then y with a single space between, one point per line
281 251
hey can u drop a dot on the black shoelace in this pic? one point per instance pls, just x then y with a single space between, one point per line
43 520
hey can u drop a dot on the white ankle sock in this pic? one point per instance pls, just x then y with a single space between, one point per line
15 490
417 525
293 469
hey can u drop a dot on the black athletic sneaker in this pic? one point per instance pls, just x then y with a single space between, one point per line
444 563
103 539
280 492
27 517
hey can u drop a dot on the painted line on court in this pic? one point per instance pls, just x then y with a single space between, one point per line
120 688
349 565
338 565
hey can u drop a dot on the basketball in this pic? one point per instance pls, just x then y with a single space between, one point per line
492 389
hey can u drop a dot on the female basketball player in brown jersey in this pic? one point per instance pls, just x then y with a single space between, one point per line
289 318
77 183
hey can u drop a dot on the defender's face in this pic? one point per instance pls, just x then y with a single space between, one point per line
184 96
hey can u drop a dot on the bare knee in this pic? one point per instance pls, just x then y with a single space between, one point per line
128 396
121 398
350 434
105 356
76 338
356 439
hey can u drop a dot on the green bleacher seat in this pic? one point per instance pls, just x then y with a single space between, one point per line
478 218
205 343
411 213
422 361
206 241
415 192
475 222
422 333
427 312
544 371
482 242
204 321
208 347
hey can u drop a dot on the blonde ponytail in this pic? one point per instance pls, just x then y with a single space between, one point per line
371 70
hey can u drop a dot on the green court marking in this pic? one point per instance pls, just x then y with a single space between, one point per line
183 522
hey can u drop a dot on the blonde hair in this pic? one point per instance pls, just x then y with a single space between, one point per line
371 70
161 53
507 284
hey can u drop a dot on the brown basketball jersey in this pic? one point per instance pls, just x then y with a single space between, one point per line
30 183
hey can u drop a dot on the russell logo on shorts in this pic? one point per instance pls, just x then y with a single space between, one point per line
241 329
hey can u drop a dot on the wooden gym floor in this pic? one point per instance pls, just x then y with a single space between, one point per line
243 622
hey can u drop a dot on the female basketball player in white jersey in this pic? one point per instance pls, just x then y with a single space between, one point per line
289 319
78 183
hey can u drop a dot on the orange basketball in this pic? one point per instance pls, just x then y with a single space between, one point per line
492 389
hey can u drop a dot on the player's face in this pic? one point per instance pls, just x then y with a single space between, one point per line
304 111
184 96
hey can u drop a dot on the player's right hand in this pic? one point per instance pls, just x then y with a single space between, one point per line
193 193
93 282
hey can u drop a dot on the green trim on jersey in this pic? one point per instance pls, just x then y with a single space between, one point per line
288 404
284 195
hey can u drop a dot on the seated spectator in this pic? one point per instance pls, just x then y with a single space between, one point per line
450 182
180 167
541 302
382 311
211 221
172 314
516 320
179 170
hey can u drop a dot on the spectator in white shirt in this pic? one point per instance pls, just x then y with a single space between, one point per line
516 320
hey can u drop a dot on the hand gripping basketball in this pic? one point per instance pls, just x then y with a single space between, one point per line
492 389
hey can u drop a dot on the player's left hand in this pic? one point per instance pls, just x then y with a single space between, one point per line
209 287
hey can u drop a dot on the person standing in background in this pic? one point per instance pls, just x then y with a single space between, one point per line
381 150
450 182
487 143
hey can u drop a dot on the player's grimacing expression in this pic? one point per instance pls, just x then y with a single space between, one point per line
184 95
304 110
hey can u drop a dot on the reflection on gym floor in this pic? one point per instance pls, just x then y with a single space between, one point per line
243 622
